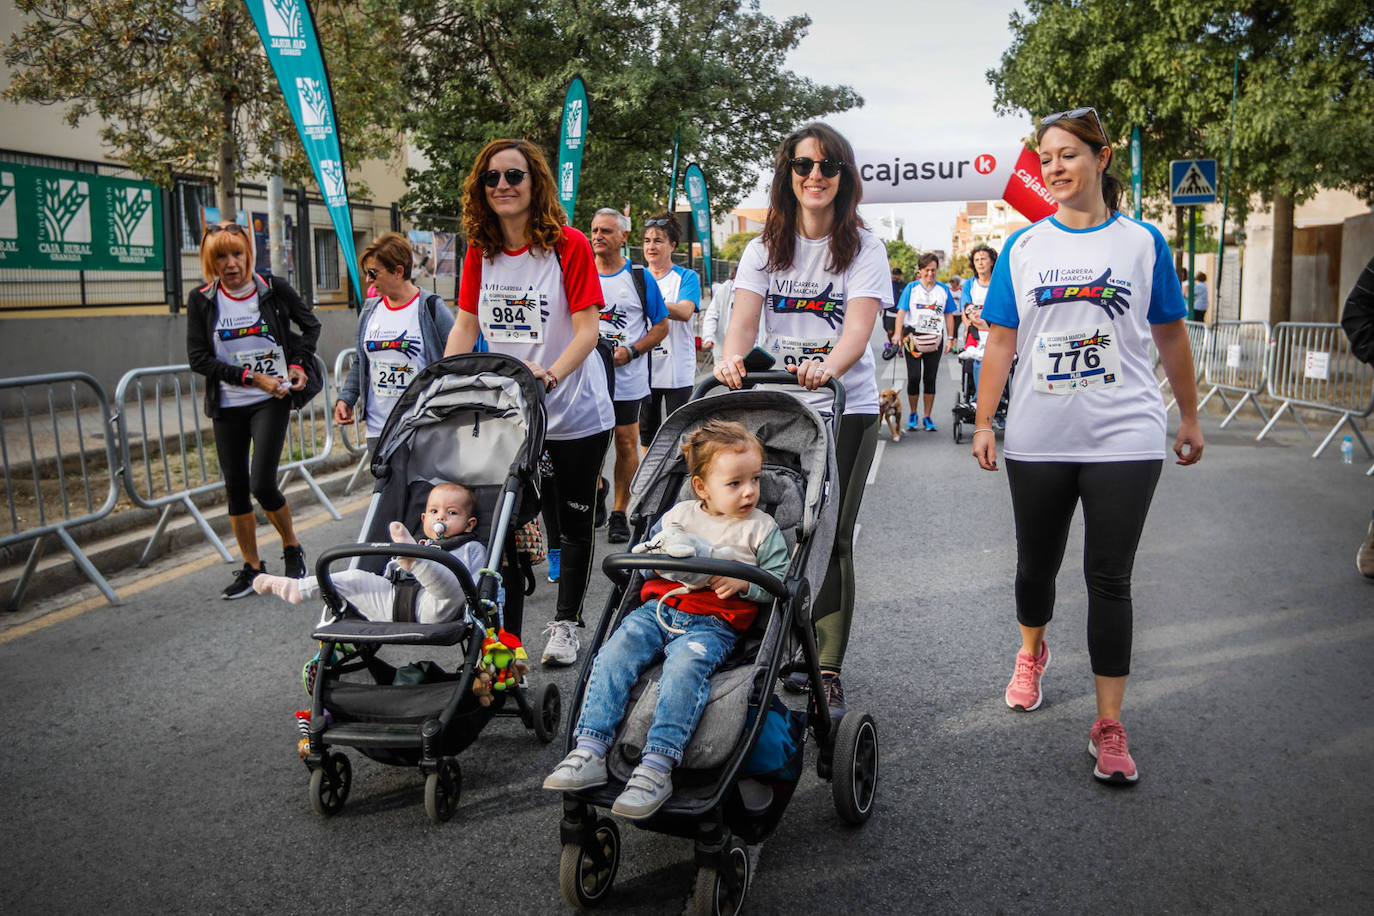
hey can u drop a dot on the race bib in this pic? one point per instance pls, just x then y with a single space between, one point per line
1072 362
268 361
513 319
927 321
389 379
794 350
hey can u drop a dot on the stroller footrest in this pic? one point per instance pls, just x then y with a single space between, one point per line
373 734
386 632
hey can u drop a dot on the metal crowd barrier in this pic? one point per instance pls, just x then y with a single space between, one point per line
305 450
159 413
1198 338
88 441
1310 365
343 364
1237 361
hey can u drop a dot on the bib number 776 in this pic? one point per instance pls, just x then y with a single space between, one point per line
1075 361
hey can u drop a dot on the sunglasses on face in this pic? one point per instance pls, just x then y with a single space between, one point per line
1074 113
802 165
492 177
232 229
371 274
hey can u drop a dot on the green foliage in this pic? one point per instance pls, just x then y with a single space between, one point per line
734 246
171 79
900 254
1306 90
482 69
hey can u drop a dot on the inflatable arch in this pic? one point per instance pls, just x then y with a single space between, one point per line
908 176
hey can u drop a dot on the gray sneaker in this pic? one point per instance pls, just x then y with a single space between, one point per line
579 770
561 649
645 792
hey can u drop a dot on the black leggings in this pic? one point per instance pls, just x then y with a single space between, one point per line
576 467
833 608
1116 498
921 366
655 409
263 426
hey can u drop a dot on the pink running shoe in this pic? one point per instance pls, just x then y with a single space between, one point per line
1023 692
1107 743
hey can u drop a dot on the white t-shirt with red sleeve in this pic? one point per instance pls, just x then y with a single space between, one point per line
524 301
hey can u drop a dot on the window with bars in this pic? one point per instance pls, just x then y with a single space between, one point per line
326 260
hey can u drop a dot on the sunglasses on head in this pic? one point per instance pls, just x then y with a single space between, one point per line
232 229
492 177
1074 113
802 165
658 222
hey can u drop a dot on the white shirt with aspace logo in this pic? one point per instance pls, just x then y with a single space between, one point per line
623 322
395 353
804 308
243 339
1070 291
674 360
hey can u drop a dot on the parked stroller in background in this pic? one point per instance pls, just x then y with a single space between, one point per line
720 799
476 419
966 401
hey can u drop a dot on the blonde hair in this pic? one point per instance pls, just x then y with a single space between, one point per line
218 243
713 437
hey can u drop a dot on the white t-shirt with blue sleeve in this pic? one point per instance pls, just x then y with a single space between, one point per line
624 320
674 360
1081 302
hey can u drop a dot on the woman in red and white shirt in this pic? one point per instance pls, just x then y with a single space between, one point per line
530 287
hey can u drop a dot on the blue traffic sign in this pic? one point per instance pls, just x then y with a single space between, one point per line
1192 181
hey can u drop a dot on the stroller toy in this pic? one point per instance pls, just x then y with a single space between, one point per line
504 658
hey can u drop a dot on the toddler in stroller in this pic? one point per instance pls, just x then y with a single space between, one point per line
449 519
705 617
971 360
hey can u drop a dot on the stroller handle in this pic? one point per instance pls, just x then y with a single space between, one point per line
418 551
773 377
627 562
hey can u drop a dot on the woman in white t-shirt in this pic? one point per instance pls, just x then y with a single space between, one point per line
811 287
401 330
530 287
1077 298
673 363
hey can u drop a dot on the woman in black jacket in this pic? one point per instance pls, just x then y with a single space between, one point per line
238 335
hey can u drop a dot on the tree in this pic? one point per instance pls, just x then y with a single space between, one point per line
1305 94
900 254
184 87
483 69
734 246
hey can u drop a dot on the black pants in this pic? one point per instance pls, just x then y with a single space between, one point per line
921 367
576 467
263 427
1116 498
655 409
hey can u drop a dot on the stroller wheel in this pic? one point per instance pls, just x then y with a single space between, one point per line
548 713
329 784
442 790
854 777
585 875
958 432
721 892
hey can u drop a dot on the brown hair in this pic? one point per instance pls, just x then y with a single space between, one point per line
391 250
713 437
927 258
670 227
1088 129
544 229
780 228
216 244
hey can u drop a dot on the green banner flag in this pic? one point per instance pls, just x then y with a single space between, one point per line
52 219
571 138
293 46
701 212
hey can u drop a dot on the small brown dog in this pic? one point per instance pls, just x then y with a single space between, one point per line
890 412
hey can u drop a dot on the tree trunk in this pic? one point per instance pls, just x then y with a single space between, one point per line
228 183
1281 275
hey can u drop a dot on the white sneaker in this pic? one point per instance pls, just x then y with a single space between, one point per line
561 649
579 770
645 792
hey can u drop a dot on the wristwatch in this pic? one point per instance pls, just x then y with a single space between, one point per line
634 354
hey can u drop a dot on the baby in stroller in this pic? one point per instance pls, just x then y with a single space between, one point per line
700 626
971 360
450 517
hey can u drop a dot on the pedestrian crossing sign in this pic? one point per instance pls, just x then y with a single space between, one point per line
1192 181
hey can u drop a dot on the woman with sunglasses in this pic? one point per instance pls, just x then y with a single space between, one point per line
530 287
400 331
811 287
238 335
1077 298
673 363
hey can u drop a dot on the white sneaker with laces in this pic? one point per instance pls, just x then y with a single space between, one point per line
561 649
645 792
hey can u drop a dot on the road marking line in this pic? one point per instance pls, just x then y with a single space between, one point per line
877 462
161 578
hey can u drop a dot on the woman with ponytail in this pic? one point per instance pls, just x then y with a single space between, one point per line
1076 298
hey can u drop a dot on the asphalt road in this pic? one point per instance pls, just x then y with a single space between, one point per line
149 759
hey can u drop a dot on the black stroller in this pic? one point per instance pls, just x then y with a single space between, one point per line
709 803
477 419
966 401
